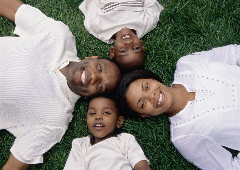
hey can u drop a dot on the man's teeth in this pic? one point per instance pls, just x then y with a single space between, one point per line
83 78
160 99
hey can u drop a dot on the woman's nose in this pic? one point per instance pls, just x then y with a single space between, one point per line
150 95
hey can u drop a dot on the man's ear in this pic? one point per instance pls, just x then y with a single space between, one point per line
144 116
120 121
92 57
111 52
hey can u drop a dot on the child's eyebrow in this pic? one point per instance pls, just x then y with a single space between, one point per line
91 108
107 108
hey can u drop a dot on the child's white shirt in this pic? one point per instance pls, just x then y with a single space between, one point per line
118 153
103 18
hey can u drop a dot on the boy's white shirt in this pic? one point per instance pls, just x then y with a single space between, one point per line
103 18
118 153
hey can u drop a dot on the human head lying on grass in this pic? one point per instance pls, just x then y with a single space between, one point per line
106 148
128 50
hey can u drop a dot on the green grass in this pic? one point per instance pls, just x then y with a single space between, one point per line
185 26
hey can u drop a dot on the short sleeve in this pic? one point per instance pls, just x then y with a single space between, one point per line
29 146
133 150
75 160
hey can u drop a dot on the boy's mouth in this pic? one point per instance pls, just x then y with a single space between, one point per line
126 36
98 126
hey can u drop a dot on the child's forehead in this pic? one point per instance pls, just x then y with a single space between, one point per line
102 101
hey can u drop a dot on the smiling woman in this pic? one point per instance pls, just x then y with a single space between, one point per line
202 104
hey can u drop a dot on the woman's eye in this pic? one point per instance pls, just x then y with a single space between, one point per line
143 104
147 86
107 113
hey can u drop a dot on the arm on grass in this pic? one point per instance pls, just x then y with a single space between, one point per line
8 8
14 164
142 165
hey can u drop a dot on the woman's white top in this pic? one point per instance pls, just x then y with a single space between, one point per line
103 18
212 120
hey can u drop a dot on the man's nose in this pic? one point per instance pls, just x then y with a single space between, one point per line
95 77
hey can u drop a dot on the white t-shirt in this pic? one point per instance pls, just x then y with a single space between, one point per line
211 120
36 103
103 18
116 153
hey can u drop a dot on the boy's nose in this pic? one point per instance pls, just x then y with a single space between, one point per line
128 42
98 117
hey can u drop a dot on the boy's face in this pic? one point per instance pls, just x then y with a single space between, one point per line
128 48
92 76
102 118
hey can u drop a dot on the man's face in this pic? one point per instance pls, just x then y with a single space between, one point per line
92 76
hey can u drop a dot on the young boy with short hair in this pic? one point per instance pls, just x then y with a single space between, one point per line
105 149
125 22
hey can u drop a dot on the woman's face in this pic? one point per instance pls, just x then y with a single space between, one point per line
148 97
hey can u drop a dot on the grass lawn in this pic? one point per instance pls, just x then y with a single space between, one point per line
185 26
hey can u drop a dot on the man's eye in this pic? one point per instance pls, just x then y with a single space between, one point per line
100 68
136 48
107 113
100 87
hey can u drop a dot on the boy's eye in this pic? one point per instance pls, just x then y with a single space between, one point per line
91 113
107 113
136 48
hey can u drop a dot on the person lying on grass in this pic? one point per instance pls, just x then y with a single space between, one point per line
105 149
124 22
203 105
41 80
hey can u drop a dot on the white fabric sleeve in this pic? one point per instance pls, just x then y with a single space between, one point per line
205 153
31 21
229 54
75 160
29 146
134 151
152 10
90 10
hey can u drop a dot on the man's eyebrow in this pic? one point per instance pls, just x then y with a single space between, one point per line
105 68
